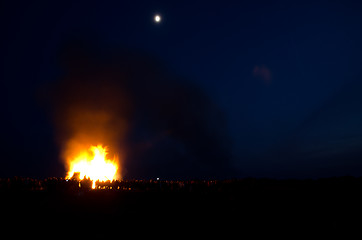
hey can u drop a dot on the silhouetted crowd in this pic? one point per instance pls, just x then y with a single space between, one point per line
233 185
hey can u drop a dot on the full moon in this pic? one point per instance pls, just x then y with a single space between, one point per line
157 18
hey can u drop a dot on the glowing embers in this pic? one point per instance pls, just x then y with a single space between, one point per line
93 164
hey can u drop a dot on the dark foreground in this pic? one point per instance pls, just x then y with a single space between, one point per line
258 206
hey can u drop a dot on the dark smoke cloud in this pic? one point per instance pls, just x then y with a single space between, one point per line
163 125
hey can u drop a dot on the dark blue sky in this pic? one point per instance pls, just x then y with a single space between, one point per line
286 74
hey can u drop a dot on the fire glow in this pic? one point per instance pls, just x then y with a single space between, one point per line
93 164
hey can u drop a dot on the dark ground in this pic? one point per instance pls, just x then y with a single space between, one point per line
257 206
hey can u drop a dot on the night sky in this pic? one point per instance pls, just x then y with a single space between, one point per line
217 89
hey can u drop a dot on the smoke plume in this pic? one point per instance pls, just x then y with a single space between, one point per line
160 124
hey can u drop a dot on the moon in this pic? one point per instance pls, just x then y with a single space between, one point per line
157 18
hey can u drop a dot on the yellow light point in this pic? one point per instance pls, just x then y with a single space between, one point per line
93 164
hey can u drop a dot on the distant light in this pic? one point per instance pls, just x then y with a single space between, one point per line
157 179
157 18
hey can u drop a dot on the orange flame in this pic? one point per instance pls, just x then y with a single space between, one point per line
93 164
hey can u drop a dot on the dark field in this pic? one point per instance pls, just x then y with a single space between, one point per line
247 205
